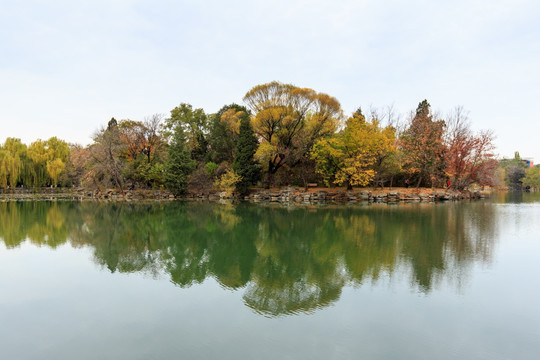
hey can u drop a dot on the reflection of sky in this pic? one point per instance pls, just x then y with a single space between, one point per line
62 308
67 67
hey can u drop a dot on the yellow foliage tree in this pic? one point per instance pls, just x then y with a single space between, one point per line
14 150
350 156
4 166
228 182
44 155
54 169
290 120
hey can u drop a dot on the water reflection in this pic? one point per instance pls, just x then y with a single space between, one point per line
287 260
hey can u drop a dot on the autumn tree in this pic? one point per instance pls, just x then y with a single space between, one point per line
43 154
12 155
289 120
4 168
144 149
107 152
39 155
422 146
77 166
350 156
131 133
58 156
469 157
244 163
54 169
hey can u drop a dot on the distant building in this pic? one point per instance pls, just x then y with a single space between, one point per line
528 161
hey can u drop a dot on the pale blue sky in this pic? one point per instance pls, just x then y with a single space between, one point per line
67 67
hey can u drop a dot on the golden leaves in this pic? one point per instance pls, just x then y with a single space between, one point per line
349 156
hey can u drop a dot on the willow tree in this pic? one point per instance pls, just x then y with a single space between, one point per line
42 155
12 161
54 169
39 154
289 120
4 165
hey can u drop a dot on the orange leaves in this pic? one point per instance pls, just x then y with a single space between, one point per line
422 144
468 157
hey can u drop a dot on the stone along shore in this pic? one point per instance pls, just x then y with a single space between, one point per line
286 195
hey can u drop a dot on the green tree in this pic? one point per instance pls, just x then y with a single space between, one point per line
194 124
224 132
532 178
244 163
179 164
514 171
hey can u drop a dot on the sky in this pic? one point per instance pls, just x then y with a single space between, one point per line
67 67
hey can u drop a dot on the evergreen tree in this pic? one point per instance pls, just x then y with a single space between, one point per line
422 146
244 163
179 164
223 135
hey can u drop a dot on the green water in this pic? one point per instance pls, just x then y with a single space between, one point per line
219 281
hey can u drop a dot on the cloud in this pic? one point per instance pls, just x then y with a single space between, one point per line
76 64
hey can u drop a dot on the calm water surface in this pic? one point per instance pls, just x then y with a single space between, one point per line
215 281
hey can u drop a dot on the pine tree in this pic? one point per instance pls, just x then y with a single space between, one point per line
179 164
244 164
422 145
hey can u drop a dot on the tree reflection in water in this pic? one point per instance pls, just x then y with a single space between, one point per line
288 260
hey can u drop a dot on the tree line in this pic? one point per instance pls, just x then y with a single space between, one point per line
282 135
518 175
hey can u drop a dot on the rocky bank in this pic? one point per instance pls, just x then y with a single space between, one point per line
286 195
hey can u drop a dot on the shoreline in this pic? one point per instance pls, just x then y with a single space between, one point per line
291 194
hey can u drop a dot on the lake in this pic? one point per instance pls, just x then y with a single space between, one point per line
198 280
